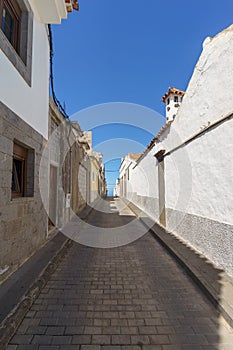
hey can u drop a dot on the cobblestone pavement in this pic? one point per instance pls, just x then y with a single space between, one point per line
135 297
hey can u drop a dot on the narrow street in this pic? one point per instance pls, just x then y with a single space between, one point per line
127 298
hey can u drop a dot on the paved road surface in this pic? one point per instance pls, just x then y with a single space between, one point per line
134 297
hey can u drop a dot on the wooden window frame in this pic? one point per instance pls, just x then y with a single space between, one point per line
21 154
15 12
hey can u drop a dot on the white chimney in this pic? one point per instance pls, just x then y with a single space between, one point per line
173 99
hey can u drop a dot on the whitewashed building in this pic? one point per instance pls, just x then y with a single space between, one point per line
127 164
116 190
24 109
184 179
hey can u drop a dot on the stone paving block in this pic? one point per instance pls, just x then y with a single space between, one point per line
191 347
140 339
165 330
84 322
136 322
111 330
102 322
129 330
28 347
159 339
21 339
81 339
92 330
61 339
36 330
55 330
119 322
121 339
147 330
101 339
72 330
152 347
172 347
134 297
48 322
42 339
45 347
153 321
126 314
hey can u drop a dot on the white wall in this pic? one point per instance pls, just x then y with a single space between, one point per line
208 98
199 175
29 103
171 110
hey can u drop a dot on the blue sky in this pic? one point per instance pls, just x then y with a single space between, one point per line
131 50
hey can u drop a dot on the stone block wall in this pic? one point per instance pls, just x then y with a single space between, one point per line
23 221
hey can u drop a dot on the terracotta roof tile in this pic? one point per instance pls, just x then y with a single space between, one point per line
134 156
72 5
173 91
156 138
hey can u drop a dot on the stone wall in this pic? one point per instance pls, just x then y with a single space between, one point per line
23 221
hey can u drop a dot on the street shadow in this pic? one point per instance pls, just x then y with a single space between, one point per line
105 214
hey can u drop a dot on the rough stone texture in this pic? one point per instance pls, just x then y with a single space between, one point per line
23 221
60 155
148 204
127 298
209 237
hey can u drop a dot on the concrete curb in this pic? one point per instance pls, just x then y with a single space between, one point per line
215 283
14 319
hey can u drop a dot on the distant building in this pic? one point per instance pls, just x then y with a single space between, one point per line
127 163
116 191
98 186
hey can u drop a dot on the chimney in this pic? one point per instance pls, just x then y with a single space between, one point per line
173 99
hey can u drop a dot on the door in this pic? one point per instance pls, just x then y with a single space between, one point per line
161 184
53 196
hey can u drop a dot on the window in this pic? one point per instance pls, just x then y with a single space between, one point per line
22 172
16 30
176 99
19 171
168 101
10 22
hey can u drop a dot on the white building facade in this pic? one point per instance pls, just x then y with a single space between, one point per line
185 176
24 109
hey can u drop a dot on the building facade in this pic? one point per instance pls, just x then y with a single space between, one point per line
184 177
24 109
